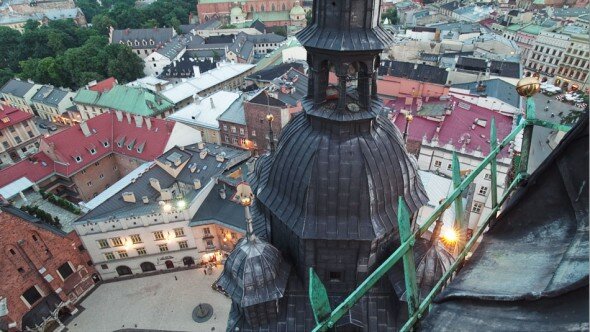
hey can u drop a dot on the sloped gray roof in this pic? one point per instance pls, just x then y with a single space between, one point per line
530 272
173 47
266 38
17 87
496 88
158 35
234 113
49 95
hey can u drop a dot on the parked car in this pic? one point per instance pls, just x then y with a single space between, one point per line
52 127
43 125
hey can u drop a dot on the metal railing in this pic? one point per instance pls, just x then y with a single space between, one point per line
326 317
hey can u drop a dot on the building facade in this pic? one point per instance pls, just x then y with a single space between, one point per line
233 128
52 103
18 135
44 270
256 111
142 41
547 53
574 69
142 224
17 93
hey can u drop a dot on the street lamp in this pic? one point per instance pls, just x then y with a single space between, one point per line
270 118
409 119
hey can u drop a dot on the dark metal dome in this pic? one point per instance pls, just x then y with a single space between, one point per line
254 273
339 180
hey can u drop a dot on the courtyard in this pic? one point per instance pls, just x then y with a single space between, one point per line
162 302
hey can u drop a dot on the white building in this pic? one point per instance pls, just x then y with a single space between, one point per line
142 225
52 103
202 114
547 52
18 94
155 62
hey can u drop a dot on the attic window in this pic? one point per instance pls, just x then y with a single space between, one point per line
78 159
136 43
92 151
129 43
335 276
144 42
105 144
151 42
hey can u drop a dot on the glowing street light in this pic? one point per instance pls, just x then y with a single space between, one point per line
181 204
450 236
167 207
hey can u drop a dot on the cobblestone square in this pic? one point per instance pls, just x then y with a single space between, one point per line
162 302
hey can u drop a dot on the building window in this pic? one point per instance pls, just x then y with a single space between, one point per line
179 232
449 167
242 131
65 270
12 129
93 151
101 176
233 129
109 256
253 133
103 244
210 244
206 231
224 127
335 276
487 176
31 295
31 135
83 171
105 144
78 159
122 254
141 251
104 266
437 163
159 235
135 238
117 242
183 244
96 163
233 235
483 190
226 138
477 207
163 247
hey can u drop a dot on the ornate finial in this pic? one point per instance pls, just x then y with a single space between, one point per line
245 196
270 118
528 86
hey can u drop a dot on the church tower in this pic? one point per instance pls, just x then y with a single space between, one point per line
327 197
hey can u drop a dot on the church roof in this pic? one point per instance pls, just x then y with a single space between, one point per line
530 271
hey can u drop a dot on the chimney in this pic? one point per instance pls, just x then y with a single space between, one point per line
138 120
201 145
203 154
212 104
197 184
197 71
220 157
192 167
129 197
148 123
155 183
128 117
166 194
85 129
222 193
119 115
145 199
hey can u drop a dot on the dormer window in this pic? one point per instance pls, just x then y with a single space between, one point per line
136 43
144 42
78 159
105 144
92 151
129 43
151 42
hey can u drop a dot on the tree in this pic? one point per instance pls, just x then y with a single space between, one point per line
391 15
31 25
308 17
11 40
151 23
5 75
123 63
101 23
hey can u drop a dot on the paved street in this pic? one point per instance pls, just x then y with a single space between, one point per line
539 148
153 303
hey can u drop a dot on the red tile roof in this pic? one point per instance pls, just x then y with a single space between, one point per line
10 116
104 85
458 126
106 133
35 168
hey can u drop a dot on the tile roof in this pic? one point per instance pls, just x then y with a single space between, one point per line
264 98
49 95
9 116
291 87
414 71
457 128
208 168
104 85
172 48
158 35
17 87
35 168
270 73
138 101
120 136
184 66
271 16
222 211
500 68
205 111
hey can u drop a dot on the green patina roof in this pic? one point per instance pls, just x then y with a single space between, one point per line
514 27
132 100
539 2
533 29
271 16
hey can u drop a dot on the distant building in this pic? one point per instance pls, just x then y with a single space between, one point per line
401 79
18 135
18 94
187 66
15 13
271 12
232 125
80 162
102 86
45 272
52 103
546 53
132 100
574 67
171 51
152 221
202 114
142 41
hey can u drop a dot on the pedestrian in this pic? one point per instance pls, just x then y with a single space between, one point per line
205 271
175 278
